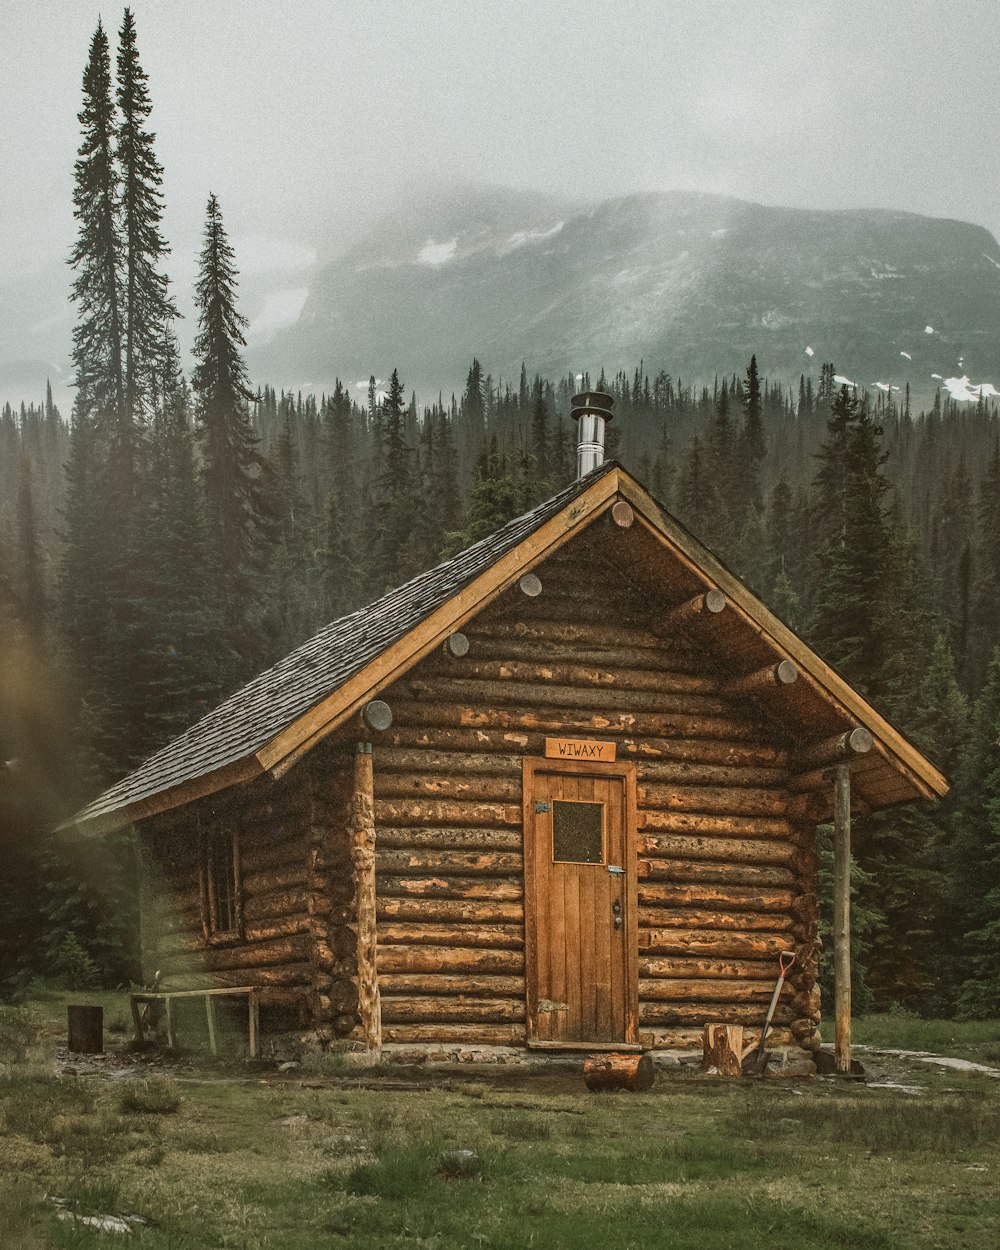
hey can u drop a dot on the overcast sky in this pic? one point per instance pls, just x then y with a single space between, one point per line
305 116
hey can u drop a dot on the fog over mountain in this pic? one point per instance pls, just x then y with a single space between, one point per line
690 282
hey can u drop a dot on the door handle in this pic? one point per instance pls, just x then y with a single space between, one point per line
616 911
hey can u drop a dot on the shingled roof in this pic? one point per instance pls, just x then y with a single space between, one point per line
255 714
276 718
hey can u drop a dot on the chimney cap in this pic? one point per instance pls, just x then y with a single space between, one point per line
598 403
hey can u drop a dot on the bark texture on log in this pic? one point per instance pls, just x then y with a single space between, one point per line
722 1049
634 1073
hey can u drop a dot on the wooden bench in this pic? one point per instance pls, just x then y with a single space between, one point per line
167 997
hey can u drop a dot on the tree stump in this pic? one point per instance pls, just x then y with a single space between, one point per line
614 1071
86 1030
722 1047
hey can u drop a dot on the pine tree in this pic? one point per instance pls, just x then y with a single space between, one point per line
149 308
495 500
236 514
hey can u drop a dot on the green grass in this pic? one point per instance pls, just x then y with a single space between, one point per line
978 1040
504 1161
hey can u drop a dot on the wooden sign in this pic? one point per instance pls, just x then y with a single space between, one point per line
578 749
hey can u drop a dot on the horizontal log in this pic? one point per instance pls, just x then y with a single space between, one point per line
275 853
450 1010
705 751
630 1072
457 837
583 676
703 607
470 863
466 986
748 1014
448 959
475 787
736 944
275 903
689 773
497 937
443 690
690 1038
550 719
246 955
727 898
449 910
550 651
428 759
834 750
463 1034
718 871
301 974
661 918
444 812
715 823
494 888
774 677
747 850
694 969
576 633
290 877
725 800
714 990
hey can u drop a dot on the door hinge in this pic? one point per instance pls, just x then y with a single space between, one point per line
541 807
616 869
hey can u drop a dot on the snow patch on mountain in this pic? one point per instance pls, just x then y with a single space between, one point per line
962 389
928 329
842 381
521 238
810 352
437 253
907 355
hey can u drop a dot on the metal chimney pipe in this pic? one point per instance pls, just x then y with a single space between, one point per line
592 409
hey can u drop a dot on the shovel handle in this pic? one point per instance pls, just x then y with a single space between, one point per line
785 961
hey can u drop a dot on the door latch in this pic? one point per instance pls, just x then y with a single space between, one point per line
616 911
541 807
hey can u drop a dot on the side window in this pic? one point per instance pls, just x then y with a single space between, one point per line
221 888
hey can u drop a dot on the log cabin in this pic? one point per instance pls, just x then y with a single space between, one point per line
558 793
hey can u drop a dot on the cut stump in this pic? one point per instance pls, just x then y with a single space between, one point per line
722 1049
614 1071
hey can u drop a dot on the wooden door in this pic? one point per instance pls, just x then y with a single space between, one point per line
580 912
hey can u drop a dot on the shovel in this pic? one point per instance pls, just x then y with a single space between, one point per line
755 1061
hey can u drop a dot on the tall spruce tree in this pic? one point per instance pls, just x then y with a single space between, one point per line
236 511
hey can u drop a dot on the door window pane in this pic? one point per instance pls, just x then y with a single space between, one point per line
577 832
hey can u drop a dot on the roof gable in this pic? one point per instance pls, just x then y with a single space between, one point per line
269 724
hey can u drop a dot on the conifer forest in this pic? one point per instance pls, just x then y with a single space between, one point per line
181 529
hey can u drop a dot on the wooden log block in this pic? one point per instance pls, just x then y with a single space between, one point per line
448 959
189 979
274 904
612 1071
588 676
571 632
489 937
450 837
842 918
725 897
407 984
689 773
449 910
764 681
722 1049
267 930
478 1034
725 800
445 812
464 888
428 759
690 1038
655 965
749 851
289 877
835 750
694 918
85 1029
471 863
739 944
748 1014
447 1009
708 990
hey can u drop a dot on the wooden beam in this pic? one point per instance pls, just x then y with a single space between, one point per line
835 750
842 916
701 607
765 680
362 834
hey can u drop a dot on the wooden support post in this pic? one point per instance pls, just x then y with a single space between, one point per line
842 916
210 1020
170 1022
140 1033
253 1010
362 831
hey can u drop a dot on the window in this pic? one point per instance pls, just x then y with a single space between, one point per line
221 893
577 832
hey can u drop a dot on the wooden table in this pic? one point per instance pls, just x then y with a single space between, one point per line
167 997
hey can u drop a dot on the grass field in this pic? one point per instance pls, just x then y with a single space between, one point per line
499 1161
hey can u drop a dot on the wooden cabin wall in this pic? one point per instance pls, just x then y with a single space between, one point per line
726 879
296 895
